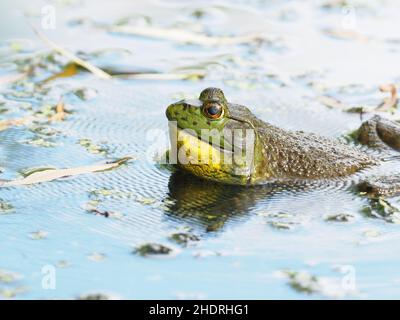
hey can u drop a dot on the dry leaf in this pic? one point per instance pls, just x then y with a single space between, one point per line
53 174
391 102
5 124
60 112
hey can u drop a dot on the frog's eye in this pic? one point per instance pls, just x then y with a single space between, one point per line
213 110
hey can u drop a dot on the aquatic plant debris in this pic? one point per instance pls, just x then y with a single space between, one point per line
149 249
48 113
387 105
340 217
307 283
54 174
183 238
382 208
87 65
183 36
38 235
8 276
390 102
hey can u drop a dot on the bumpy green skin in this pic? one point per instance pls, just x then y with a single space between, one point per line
282 154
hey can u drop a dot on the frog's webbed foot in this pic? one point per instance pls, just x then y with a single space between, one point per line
380 133
388 186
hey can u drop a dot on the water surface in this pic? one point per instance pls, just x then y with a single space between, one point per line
248 237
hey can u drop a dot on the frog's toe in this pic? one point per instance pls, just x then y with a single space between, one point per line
388 186
381 133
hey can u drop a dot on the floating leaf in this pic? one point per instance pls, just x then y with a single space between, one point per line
391 102
280 225
8 276
152 249
5 207
9 293
5 124
340 217
40 142
183 238
38 235
53 174
96 256
92 147
86 93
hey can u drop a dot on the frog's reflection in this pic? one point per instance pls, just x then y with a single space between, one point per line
211 204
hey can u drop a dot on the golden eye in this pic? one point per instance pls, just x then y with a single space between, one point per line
213 110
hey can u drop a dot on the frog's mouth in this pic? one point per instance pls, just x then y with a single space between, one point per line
190 142
206 159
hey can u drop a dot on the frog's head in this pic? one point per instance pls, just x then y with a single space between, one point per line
209 131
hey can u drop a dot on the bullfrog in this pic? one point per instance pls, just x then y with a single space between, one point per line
225 142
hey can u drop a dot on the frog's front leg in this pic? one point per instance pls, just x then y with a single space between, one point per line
384 186
380 133
383 134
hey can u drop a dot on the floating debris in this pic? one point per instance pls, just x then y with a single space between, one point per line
85 93
54 174
104 213
372 233
98 296
38 235
40 142
390 103
150 249
9 293
304 282
331 102
145 201
382 209
6 207
63 264
280 225
8 276
340 217
93 69
183 238
183 36
344 34
102 192
92 147
5 124
97 257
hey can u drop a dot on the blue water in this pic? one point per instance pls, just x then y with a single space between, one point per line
246 255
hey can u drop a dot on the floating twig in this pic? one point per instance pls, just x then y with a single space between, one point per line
87 65
184 36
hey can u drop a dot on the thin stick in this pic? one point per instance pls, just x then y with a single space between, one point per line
90 67
179 35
